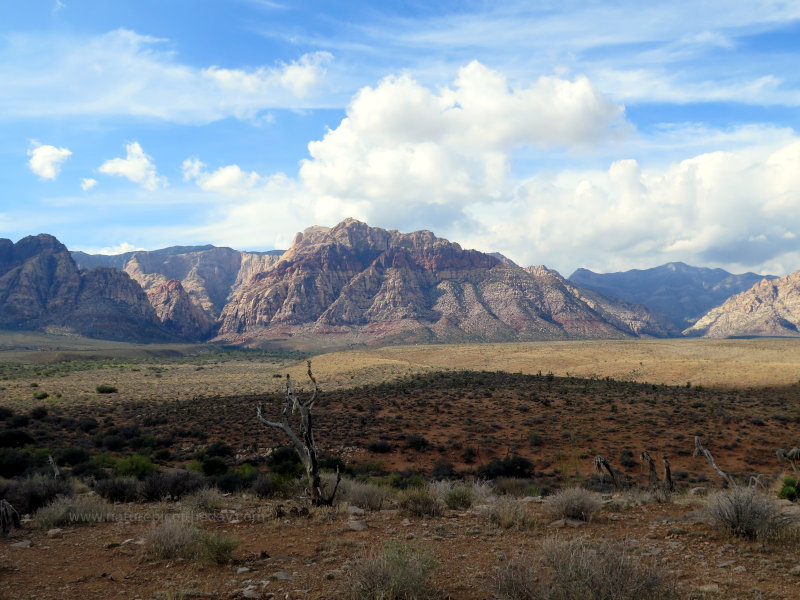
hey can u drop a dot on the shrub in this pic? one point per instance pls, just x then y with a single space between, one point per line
219 449
788 489
72 456
216 548
379 447
14 462
88 424
507 513
363 495
263 486
15 438
113 442
105 389
510 466
5 413
171 484
417 442
119 489
420 502
214 465
572 503
443 469
171 539
580 570
749 513
28 495
39 412
514 486
66 511
399 572
285 461
137 465
459 497
205 499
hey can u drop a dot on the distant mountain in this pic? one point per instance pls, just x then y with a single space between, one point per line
680 292
358 284
42 288
350 284
769 308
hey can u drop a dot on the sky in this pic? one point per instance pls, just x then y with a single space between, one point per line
604 135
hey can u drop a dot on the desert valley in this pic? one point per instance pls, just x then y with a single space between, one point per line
485 419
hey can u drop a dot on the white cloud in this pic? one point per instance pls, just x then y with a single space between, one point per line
124 73
88 183
228 180
403 145
136 166
120 248
46 161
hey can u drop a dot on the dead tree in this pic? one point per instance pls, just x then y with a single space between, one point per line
669 485
304 443
54 466
645 456
9 518
792 455
700 451
601 463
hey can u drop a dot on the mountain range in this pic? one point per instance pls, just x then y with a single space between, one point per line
345 285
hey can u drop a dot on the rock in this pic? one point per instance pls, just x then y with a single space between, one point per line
769 308
567 523
533 499
795 571
241 570
283 576
251 591
355 510
698 491
709 588
22 544
358 525
54 533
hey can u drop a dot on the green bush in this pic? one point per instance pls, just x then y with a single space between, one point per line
789 489
105 389
216 548
14 462
285 461
214 465
459 497
136 465
171 484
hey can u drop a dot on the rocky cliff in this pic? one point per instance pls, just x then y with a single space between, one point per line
41 287
357 284
769 308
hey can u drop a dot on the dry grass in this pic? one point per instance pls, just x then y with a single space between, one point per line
581 570
573 503
508 512
74 511
420 502
399 572
749 513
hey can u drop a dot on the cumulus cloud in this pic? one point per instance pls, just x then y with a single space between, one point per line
124 73
136 166
88 183
227 180
45 161
403 144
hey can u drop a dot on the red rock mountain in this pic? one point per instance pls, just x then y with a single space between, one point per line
359 284
42 288
769 308
350 284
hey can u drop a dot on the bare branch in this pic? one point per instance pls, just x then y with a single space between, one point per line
669 485
700 451
601 463
645 457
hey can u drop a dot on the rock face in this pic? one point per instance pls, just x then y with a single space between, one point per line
358 284
680 292
41 287
769 308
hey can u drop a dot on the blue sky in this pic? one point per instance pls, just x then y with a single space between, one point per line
572 134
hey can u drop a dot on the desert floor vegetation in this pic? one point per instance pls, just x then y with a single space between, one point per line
466 484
